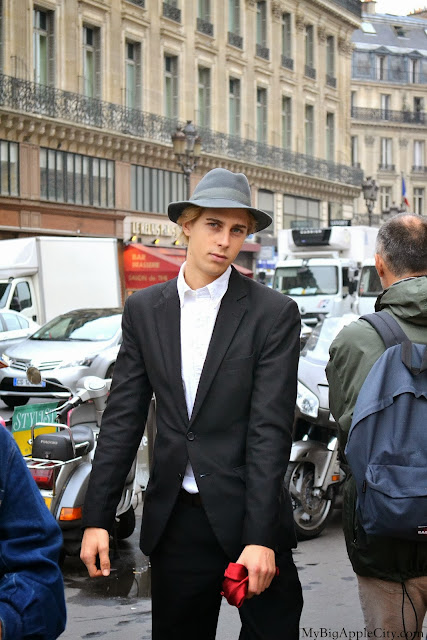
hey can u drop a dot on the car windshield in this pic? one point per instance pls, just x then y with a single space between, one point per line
370 284
4 292
92 326
323 334
307 280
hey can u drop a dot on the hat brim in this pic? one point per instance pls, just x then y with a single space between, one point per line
263 219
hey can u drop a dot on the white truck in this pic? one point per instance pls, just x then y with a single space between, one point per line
318 268
45 276
368 289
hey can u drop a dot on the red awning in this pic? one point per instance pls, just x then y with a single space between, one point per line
144 266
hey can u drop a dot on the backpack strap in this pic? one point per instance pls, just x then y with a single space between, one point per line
388 328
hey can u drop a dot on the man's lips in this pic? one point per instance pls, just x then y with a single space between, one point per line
218 257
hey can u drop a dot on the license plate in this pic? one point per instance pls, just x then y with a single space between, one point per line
48 502
24 382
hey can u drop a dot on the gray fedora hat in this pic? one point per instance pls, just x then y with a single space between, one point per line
222 189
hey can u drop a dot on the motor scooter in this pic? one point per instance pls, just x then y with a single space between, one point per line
61 462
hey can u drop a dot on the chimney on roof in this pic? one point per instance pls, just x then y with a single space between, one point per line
368 7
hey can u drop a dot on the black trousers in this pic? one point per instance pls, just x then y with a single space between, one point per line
187 569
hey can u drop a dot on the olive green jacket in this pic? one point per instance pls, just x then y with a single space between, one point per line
352 355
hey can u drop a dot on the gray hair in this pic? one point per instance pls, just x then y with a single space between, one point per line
402 243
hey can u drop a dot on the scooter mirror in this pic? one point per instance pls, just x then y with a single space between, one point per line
34 375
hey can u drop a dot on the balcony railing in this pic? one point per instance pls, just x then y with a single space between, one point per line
310 72
23 96
173 13
386 167
140 3
262 52
288 63
331 81
387 115
416 168
205 27
354 6
235 40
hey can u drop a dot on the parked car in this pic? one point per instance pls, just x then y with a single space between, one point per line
14 327
75 344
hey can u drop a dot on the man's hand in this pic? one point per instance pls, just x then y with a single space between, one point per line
261 565
95 541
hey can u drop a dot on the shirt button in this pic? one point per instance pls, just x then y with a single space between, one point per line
190 435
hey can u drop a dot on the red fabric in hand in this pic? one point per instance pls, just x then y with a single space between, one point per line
235 584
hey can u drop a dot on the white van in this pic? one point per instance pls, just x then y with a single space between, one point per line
368 289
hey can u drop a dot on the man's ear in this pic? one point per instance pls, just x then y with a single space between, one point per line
379 265
186 227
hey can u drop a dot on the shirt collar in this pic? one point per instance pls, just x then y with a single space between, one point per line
215 289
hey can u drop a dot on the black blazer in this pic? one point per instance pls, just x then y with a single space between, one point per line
239 437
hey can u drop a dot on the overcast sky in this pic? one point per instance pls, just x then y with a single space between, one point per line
399 7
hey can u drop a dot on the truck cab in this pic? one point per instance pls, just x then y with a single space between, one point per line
318 268
368 289
18 294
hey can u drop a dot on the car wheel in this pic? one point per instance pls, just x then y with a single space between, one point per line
110 370
14 401
126 524
311 509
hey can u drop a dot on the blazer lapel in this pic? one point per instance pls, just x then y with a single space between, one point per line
231 311
168 324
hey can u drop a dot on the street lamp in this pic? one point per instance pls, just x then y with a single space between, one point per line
370 194
187 147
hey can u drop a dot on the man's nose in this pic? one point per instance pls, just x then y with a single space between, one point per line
224 238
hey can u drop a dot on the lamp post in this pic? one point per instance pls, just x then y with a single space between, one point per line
370 194
187 147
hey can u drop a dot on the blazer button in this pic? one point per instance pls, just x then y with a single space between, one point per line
190 435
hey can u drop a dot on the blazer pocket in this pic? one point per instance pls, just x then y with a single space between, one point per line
233 364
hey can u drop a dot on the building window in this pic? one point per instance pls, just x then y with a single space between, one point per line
386 153
204 24
418 104
309 129
385 106
414 71
133 75
287 122
286 35
171 10
385 198
43 47
261 23
204 97
78 179
234 36
330 137
355 151
234 107
9 168
309 51
381 67
330 61
92 62
419 155
261 115
300 212
153 189
419 201
171 86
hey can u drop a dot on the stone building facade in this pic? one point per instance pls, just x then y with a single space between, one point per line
91 91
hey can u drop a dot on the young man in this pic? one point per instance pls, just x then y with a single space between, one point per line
392 573
220 353
32 603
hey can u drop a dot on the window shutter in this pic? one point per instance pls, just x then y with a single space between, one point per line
97 52
51 48
138 75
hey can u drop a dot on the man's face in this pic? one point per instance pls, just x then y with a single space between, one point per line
214 240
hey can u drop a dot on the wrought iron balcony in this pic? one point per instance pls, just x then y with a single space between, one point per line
288 63
23 96
387 115
386 167
205 27
310 72
173 13
354 6
262 52
419 168
331 81
235 40
140 3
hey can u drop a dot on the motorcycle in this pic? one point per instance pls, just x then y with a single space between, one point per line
61 461
315 472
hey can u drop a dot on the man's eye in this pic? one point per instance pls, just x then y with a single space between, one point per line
237 230
212 224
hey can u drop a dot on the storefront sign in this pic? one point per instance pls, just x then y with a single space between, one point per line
157 229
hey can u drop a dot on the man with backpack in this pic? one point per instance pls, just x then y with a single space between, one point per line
388 553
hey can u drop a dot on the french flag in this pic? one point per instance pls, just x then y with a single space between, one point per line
404 198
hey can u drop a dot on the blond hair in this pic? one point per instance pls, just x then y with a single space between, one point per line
193 212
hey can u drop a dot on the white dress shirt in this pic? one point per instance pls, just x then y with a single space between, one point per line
199 309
